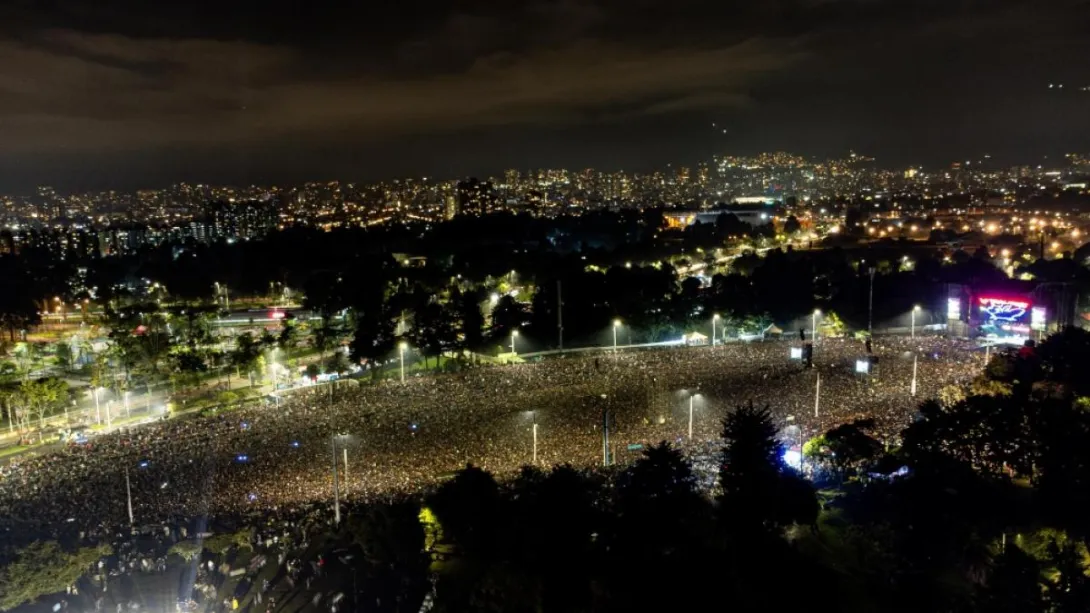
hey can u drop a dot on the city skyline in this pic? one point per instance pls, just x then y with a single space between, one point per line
132 96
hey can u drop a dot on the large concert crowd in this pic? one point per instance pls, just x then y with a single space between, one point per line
278 458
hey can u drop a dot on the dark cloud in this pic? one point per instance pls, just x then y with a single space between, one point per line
144 79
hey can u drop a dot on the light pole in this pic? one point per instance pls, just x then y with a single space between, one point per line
128 495
870 305
533 415
914 310
616 324
715 318
98 412
692 397
336 486
817 395
128 413
813 325
605 431
401 352
605 437
514 335
913 390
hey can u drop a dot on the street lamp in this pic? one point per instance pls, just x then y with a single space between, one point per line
813 328
912 391
715 318
336 486
533 416
401 351
914 310
514 335
616 324
692 397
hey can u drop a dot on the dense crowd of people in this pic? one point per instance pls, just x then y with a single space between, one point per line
404 437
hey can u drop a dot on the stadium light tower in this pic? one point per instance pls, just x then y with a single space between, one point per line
915 309
616 324
715 318
813 325
514 335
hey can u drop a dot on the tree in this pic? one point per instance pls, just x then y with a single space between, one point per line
289 335
555 515
391 537
247 354
43 396
472 320
988 433
100 371
433 329
759 491
327 335
1013 586
8 406
188 363
659 507
374 339
849 447
17 308
63 355
337 363
1064 357
44 568
1069 591
469 509
508 315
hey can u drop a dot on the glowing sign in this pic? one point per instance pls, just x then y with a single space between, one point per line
953 308
862 366
1000 310
1038 318
796 353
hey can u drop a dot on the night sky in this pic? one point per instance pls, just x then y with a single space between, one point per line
143 93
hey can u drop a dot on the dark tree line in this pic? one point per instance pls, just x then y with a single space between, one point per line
608 266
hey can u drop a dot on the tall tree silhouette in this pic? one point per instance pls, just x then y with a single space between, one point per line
759 491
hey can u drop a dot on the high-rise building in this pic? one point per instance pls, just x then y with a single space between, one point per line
476 197
240 220
451 210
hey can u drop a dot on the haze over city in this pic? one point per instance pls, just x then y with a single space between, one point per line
139 95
